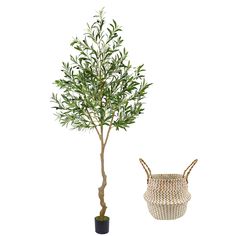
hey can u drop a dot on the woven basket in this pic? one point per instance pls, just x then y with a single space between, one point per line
167 194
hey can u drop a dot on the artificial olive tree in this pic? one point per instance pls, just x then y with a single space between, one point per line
100 89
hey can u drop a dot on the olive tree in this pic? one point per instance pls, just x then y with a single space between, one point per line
100 88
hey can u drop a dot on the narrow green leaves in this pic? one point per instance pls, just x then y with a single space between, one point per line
99 85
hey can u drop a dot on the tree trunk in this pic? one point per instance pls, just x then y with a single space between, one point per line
104 182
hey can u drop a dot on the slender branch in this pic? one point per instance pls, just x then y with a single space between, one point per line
102 140
90 117
109 129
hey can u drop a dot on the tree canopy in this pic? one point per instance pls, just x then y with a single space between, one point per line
100 86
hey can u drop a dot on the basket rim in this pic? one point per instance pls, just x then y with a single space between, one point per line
167 176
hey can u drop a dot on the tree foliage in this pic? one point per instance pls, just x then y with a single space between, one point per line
100 86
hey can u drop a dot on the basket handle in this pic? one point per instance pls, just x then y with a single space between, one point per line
188 170
146 168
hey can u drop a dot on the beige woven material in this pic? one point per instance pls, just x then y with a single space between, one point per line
167 194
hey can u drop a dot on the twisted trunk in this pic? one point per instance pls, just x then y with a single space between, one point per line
104 178
104 183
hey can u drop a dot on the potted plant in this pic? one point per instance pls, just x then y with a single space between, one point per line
100 90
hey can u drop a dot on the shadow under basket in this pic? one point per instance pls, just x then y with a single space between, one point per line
167 195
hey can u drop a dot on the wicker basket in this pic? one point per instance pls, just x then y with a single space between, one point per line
167 194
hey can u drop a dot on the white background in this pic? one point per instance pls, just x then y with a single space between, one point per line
49 175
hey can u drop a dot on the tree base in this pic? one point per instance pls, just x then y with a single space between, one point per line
102 224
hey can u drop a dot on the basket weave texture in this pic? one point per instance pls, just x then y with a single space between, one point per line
167 194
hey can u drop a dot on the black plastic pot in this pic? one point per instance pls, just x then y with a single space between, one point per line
102 225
